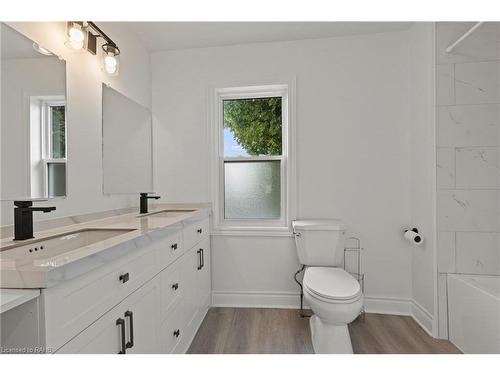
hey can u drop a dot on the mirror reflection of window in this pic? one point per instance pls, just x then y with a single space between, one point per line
48 146
33 126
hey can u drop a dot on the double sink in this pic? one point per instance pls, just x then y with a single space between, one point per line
57 245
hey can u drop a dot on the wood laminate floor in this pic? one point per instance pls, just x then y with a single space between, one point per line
260 331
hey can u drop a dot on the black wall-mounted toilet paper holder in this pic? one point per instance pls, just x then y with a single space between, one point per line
417 239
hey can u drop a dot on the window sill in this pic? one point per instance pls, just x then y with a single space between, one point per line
253 231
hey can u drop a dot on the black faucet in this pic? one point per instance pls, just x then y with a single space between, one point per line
144 202
23 219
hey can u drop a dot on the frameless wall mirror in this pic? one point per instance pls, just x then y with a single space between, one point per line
33 119
127 144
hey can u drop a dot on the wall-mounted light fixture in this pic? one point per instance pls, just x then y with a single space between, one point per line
76 34
83 35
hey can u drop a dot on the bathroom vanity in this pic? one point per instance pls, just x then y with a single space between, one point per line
123 284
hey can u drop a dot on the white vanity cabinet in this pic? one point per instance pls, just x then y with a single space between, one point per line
161 315
129 327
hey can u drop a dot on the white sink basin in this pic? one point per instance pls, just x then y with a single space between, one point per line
167 213
56 245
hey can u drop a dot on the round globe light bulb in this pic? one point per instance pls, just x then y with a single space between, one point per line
110 64
76 38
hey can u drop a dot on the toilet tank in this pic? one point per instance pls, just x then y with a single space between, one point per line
319 242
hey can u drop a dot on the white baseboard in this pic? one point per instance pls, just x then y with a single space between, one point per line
290 300
422 316
284 300
388 305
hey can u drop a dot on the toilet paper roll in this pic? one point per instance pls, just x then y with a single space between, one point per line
414 237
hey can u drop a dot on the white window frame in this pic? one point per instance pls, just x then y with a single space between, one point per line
47 157
279 226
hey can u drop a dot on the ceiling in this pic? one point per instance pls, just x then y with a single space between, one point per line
158 36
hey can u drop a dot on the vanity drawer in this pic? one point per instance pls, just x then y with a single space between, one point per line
171 287
195 232
172 329
72 306
170 249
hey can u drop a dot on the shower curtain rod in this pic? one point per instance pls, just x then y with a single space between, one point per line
451 47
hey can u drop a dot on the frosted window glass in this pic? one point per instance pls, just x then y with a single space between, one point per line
56 179
252 190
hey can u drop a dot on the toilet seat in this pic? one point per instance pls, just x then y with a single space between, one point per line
331 284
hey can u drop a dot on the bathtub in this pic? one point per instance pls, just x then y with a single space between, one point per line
474 313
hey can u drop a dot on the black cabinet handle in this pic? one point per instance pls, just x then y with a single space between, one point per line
177 333
124 278
129 314
200 230
121 322
202 258
174 246
175 286
199 259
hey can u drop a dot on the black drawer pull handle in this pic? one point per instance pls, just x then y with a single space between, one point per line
121 322
124 278
174 246
129 314
202 258
175 286
177 333
200 230
200 266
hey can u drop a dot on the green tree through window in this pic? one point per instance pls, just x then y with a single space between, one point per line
58 114
255 123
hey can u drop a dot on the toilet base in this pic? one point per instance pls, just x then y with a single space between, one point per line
329 338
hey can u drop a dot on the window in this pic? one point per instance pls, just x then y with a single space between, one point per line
252 157
54 147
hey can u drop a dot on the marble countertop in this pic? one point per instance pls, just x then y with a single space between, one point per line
43 273
10 298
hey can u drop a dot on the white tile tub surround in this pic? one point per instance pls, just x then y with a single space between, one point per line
446 253
468 210
445 84
445 168
477 168
477 82
483 44
467 155
468 125
478 253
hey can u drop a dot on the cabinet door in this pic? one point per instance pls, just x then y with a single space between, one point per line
141 312
172 331
102 337
203 278
134 321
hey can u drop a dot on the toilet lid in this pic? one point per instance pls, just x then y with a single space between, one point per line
331 283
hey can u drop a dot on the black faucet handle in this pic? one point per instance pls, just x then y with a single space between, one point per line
146 195
23 204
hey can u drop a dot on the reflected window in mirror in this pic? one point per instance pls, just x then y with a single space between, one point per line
33 116
48 146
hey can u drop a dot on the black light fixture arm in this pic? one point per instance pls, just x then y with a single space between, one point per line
102 34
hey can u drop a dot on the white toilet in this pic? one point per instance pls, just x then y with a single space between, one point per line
333 294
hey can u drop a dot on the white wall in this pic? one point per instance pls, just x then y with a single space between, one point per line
84 78
352 153
422 176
